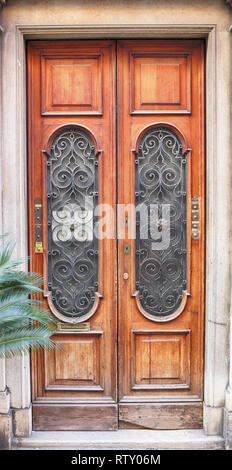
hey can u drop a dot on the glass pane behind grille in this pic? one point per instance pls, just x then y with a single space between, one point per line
161 232
72 195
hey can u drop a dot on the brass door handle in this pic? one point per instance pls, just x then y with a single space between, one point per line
125 276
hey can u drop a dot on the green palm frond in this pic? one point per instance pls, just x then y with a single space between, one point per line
16 301
19 305
27 313
6 253
21 276
6 263
24 322
17 282
21 340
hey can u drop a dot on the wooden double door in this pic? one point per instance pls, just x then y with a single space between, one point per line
116 227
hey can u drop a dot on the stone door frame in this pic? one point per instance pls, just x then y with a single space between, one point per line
15 380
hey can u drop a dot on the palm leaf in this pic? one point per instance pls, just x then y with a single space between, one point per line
6 252
26 311
20 282
24 323
18 341
21 276
17 290
11 303
15 307
42 316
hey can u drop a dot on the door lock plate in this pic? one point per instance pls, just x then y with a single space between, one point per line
195 231
38 217
38 247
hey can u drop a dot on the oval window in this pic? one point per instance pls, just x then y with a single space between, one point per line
72 195
161 222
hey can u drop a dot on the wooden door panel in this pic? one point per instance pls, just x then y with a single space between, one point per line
171 83
151 350
161 89
78 366
71 83
160 416
71 147
68 417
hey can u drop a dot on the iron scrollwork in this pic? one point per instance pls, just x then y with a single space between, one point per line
161 187
72 195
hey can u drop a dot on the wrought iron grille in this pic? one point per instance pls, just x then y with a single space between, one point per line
72 195
161 238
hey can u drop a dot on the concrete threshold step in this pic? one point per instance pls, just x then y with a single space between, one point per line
121 439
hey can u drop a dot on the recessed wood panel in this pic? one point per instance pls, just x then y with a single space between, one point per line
78 365
67 417
160 83
160 416
71 85
165 81
161 359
